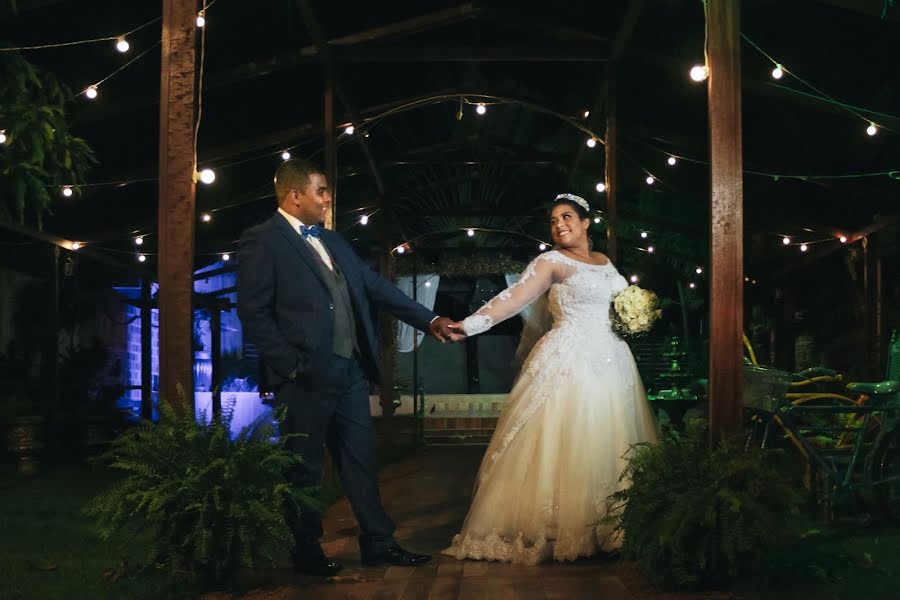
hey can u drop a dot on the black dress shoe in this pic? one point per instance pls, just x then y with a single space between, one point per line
319 566
395 555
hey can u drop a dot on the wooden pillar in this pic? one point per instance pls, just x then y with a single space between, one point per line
146 350
216 338
612 177
176 203
330 148
727 270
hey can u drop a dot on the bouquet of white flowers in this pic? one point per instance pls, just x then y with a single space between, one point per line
635 310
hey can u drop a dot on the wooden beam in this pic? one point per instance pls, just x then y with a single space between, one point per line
727 267
177 204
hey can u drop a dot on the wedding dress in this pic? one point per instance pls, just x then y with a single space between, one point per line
577 407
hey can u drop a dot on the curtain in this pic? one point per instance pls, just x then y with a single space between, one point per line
425 295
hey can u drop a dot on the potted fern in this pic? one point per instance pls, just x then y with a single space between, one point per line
699 516
211 504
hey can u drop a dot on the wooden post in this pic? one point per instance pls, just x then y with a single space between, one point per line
146 351
176 203
727 268
612 177
330 148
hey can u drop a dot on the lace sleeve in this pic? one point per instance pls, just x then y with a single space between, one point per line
619 283
535 280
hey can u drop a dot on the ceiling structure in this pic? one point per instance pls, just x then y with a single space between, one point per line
425 166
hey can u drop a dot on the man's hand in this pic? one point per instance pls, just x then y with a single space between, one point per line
440 329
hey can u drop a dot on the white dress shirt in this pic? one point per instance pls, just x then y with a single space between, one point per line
315 242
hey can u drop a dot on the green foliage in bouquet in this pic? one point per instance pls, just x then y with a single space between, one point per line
211 504
698 516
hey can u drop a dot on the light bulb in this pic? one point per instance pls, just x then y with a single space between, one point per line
587 113
76 245
2 136
206 217
142 257
591 142
401 249
649 180
201 19
122 45
67 191
226 257
644 235
650 249
470 232
349 129
871 129
285 155
139 241
843 239
364 220
542 247
777 72
699 72
672 160
803 247
207 176
785 240
91 92
698 271
597 220
427 284
692 285
746 280
601 187
633 279
481 108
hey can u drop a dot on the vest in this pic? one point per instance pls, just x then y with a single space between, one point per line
344 342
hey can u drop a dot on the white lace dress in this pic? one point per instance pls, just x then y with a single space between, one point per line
574 411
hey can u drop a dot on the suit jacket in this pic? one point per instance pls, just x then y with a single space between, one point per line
285 306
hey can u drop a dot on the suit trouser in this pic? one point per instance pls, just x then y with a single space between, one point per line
331 408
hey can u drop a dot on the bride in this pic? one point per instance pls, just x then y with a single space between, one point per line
574 411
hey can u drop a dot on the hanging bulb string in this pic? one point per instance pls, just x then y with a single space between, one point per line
121 68
78 42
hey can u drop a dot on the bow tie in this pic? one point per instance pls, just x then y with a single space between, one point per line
313 231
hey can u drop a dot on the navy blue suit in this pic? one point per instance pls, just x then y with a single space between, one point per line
286 309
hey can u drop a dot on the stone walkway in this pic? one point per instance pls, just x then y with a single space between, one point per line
428 494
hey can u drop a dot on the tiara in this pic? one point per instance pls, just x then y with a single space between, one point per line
576 199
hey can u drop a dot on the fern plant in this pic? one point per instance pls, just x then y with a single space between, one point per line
698 516
211 504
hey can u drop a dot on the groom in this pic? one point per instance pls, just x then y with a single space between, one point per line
305 301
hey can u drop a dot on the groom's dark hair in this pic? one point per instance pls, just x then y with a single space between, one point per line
294 174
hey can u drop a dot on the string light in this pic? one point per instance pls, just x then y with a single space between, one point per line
587 113
698 271
207 176
2 136
76 245
601 187
481 108
142 258
699 72
672 160
650 249
650 180
597 220
364 220
349 129
226 257
91 92
427 284
644 235
803 247
206 217
470 232
122 45
285 155
591 142
201 18
542 247
633 279
785 240
401 249
67 191
871 129
843 239
777 72
139 241
692 285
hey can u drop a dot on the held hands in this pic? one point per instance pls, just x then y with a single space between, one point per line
444 329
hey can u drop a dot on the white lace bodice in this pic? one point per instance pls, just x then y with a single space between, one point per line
580 294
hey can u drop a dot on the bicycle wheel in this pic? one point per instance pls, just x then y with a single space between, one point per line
885 474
